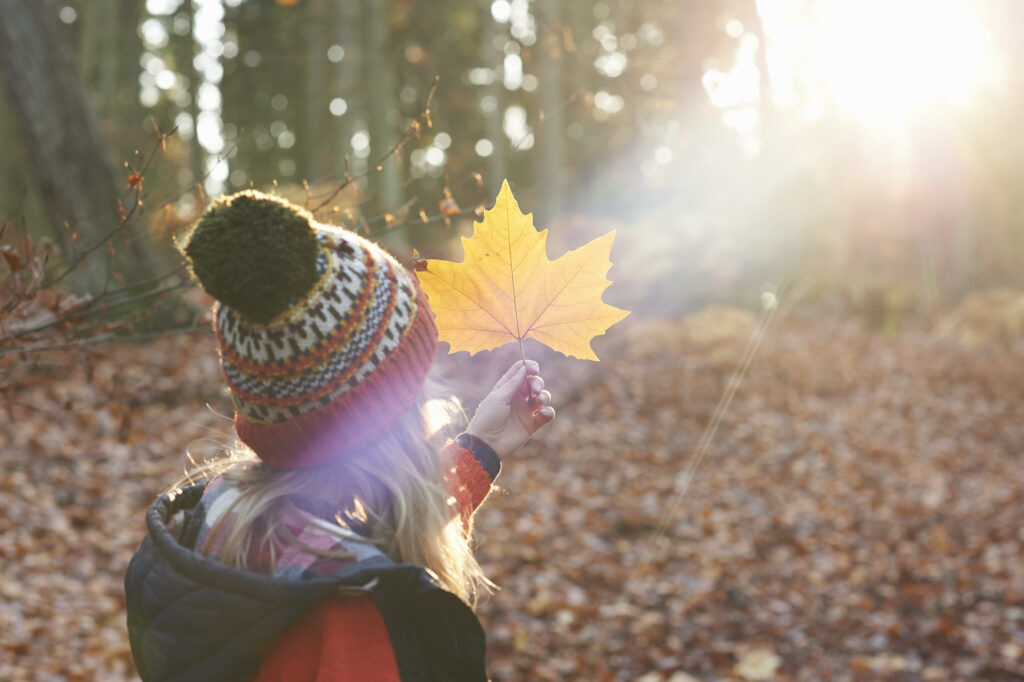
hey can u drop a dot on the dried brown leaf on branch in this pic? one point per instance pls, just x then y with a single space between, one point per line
14 260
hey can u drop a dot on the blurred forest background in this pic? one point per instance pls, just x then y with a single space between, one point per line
867 151
861 160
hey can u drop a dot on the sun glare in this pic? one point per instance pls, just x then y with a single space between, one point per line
880 61
893 58
438 414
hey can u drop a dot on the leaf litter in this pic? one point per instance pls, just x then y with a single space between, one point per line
857 518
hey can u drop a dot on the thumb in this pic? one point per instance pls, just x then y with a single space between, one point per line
504 392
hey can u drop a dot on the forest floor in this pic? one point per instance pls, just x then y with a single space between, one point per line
857 517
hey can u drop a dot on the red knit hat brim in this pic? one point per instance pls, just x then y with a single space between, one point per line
360 416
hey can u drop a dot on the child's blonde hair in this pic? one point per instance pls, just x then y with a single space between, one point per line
394 489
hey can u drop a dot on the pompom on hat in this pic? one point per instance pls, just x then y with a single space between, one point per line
325 339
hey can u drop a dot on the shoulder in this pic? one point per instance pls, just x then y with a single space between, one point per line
344 638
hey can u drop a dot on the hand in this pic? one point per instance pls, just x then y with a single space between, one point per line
514 409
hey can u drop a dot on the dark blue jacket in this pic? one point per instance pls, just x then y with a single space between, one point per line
192 618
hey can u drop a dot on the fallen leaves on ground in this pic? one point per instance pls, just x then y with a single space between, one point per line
759 664
858 516
993 316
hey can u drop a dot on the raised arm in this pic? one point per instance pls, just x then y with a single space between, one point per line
470 466
511 413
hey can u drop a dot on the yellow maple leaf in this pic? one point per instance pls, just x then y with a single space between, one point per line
506 289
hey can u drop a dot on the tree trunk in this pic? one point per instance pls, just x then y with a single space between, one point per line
317 21
89 39
492 119
347 17
380 86
551 171
108 67
191 50
68 157
1011 241
128 114
754 24
109 49
14 188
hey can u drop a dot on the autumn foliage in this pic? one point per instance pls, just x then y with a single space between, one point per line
506 289
857 518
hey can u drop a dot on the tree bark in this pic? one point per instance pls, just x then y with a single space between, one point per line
317 22
109 72
129 113
551 171
380 86
14 188
751 18
347 18
67 155
493 119
191 50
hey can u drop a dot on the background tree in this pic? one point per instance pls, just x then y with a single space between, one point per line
660 116
67 152
380 90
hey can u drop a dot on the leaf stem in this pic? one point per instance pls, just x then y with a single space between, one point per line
529 394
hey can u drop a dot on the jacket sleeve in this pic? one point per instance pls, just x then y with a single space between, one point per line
469 467
343 639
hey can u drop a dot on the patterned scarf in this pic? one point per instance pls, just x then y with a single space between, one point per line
316 530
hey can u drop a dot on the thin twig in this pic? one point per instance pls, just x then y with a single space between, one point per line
124 221
93 307
108 337
410 132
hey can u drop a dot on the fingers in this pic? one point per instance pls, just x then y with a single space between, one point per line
537 411
531 388
543 415
512 381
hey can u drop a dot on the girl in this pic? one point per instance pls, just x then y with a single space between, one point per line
333 545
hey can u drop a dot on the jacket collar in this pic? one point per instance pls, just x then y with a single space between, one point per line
192 618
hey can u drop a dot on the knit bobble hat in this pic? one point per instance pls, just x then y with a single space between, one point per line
325 339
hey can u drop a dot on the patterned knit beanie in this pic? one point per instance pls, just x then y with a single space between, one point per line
325 339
